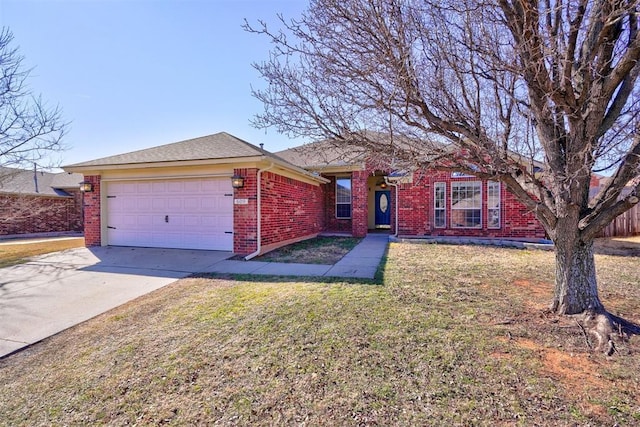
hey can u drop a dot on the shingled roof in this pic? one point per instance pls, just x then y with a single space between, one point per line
217 146
40 183
220 147
323 154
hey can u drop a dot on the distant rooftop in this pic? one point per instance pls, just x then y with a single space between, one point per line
24 181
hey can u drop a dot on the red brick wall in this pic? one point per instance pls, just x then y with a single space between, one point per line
332 223
92 212
416 211
290 209
359 203
245 225
413 206
22 214
357 225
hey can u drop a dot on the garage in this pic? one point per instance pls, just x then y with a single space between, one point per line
171 213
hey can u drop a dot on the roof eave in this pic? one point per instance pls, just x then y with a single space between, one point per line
297 169
88 169
99 169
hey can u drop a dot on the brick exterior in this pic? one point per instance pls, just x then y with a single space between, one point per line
359 203
415 209
333 224
290 210
92 212
245 226
417 213
25 214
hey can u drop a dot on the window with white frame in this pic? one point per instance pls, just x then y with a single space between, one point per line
440 205
343 197
493 204
466 204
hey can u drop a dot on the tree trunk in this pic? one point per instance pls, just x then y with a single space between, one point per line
576 288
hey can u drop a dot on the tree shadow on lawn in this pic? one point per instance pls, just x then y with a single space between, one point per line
263 278
618 246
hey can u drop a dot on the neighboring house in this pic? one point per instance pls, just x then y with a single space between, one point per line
39 202
219 192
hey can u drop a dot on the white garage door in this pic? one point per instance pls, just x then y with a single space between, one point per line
184 214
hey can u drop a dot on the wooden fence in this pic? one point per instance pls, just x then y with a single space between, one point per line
627 224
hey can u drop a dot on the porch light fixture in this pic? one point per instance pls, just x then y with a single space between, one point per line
381 183
237 181
86 186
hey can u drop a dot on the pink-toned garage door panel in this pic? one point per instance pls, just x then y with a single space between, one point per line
185 214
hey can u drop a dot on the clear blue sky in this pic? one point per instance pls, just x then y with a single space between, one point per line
138 73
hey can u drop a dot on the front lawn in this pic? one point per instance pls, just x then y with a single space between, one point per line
319 250
452 335
18 253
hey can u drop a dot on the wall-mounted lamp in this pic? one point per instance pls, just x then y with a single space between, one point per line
237 181
381 183
86 186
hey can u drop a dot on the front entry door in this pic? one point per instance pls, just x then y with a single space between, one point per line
383 209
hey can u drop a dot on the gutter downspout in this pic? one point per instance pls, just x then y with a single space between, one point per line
258 211
386 179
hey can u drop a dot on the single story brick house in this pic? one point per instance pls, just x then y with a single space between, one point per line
34 202
219 192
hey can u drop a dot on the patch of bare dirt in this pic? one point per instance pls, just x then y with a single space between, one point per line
573 370
539 292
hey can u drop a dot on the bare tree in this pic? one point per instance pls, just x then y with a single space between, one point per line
29 133
489 88
29 130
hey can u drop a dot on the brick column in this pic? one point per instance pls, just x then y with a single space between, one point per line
245 216
92 228
359 203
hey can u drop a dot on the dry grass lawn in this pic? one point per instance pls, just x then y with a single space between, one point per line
319 250
18 253
449 335
625 246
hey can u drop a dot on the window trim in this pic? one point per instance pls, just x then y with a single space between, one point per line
480 208
338 178
498 208
442 185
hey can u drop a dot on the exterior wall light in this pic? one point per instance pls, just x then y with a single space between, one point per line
237 181
86 187
381 183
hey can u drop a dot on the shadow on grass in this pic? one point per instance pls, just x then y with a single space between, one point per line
263 278
618 246
378 279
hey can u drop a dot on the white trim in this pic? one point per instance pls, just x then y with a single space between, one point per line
459 183
350 197
394 184
258 250
499 208
444 209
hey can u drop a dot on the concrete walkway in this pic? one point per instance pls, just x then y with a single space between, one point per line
361 263
56 291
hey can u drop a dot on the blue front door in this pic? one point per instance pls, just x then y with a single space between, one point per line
383 209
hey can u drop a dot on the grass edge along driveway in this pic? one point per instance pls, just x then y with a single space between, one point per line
19 253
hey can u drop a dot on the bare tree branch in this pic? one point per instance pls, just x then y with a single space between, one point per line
29 130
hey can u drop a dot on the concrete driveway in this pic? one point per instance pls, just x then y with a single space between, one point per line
56 291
